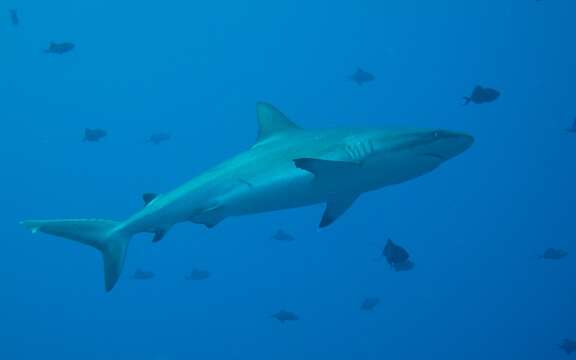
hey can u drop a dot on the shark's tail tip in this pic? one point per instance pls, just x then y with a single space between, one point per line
100 234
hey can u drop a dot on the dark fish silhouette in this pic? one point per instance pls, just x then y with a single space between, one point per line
395 254
573 128
284 316
554 254
397 257
481 95
370 303
14 19
282 235
59 48
568 345
94 135
198 275
143 275
158 138
360 77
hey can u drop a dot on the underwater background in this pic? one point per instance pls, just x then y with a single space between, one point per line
474 228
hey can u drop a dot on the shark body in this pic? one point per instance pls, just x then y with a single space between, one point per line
288 167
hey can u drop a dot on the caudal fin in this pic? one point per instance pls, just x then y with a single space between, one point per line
104 235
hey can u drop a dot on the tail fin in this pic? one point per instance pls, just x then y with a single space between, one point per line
103 235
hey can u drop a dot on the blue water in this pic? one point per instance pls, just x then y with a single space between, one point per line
474 227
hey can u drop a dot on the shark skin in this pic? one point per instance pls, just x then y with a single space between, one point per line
288 167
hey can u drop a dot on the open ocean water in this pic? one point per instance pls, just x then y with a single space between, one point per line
89 87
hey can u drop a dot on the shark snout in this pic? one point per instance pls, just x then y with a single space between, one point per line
463 139
445 144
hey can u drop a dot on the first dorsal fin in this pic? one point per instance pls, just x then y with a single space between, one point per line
272 122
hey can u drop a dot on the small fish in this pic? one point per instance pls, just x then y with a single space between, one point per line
395 254
370 303
481 95
568 345
554 254
573 128
360 77
282 235
158 138
397 257
59 48
143 275
94 135
198 275
284 316
14 19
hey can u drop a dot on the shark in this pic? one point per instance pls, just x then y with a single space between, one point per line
287 167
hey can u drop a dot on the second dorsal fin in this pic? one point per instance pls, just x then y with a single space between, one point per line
272 122
148 198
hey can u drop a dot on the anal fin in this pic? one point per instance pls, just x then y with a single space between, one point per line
148 198
159 235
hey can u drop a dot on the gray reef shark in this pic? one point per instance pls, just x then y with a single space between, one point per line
287 167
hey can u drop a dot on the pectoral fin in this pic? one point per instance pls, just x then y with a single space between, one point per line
326 168
335 208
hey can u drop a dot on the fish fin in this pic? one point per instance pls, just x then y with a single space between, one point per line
208 222
326 168
159 235
272 122
335 208
208 216
104 235
149 197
